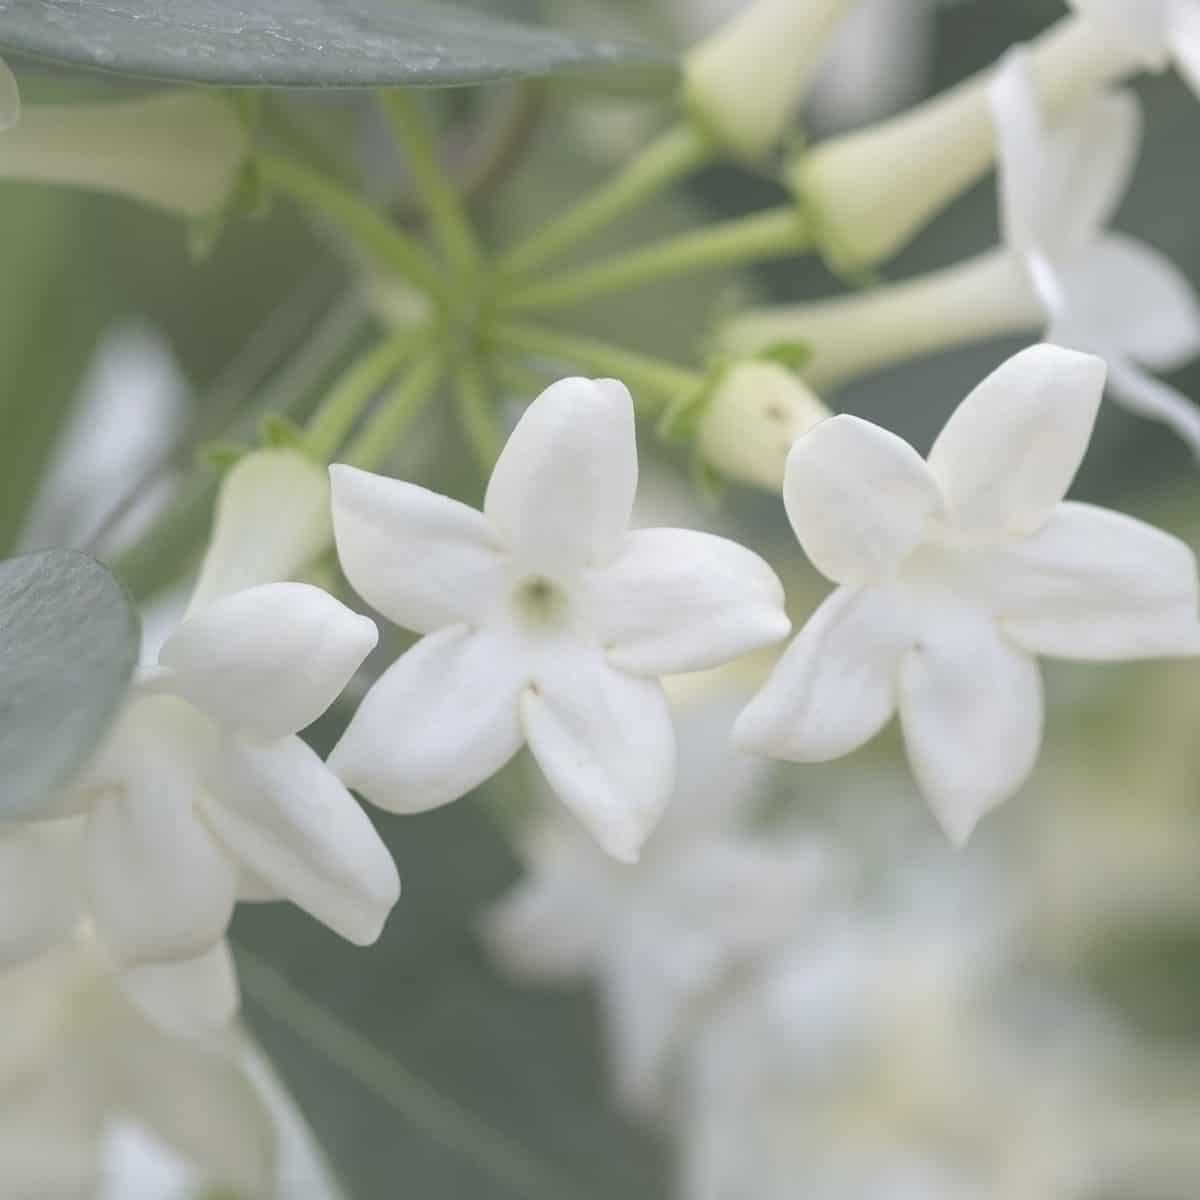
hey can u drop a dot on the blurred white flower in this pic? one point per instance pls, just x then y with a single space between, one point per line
954 574
1101 292
78 1061
546 621
707 900
1157 30
10 98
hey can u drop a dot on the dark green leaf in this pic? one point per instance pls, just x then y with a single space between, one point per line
303 43
68 645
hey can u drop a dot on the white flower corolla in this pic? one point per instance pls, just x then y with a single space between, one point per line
1159 31
754 414
546 621
181 150
707 901
1103 292
954 574
744 83
10 98
77 1059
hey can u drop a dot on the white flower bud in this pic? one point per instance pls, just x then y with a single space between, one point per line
751 420
745 82
177 150
10 98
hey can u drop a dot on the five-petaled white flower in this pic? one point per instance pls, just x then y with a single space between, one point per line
1103 292
202 792
954 574
547 621
1158 31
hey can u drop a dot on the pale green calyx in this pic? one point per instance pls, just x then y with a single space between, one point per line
10 98
745 82
751 419
182 151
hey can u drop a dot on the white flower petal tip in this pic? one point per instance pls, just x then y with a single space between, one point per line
10 98
270 659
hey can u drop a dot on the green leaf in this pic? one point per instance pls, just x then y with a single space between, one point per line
304 43
68 646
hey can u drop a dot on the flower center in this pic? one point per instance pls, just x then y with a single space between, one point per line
540 601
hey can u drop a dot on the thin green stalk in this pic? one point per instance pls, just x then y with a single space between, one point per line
372 232
357 387
673 155
394 413
654 381
476 412
447 214
772 234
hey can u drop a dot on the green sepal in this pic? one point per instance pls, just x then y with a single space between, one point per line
795 355
221 456
282 433
681 418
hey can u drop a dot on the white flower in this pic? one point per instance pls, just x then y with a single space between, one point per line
179 150
745 82
546 621
1157 30
10 98
953 575
1103 292
202 792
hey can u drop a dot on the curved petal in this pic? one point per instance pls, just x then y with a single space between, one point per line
1011 449
272 521
563 487
42 885
1141 23
859 498
605 742
10 98
1098 585
835 687
1141 393
437 723
189 998
678 600
1021 152
159 886
1123 293
270 659
423 560
971 708
284 814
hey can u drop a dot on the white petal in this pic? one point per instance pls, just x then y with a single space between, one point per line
41 882
1010 451
1141 23
1185 41
835 687
1141 393
606 745
1125 294
678 600
421 559
859 498
270 659
272 521
1021 151
438 722
971 708
159 886
563 487
10 98
284 814
189 998
1095 584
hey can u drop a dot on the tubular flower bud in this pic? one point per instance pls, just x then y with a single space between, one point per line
751 420
181 151
744 83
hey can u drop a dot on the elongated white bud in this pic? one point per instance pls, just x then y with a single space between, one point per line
751 420
745 82
180 151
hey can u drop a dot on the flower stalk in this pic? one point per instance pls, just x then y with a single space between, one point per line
394 413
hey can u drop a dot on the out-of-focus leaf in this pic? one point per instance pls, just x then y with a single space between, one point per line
68 645
304 43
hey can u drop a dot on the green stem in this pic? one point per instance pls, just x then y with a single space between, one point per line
373 233
772 234
476 413
447 214
345 403
663 381
394 414
671 156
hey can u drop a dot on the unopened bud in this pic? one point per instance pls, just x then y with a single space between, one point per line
181 151
754 414
745 82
